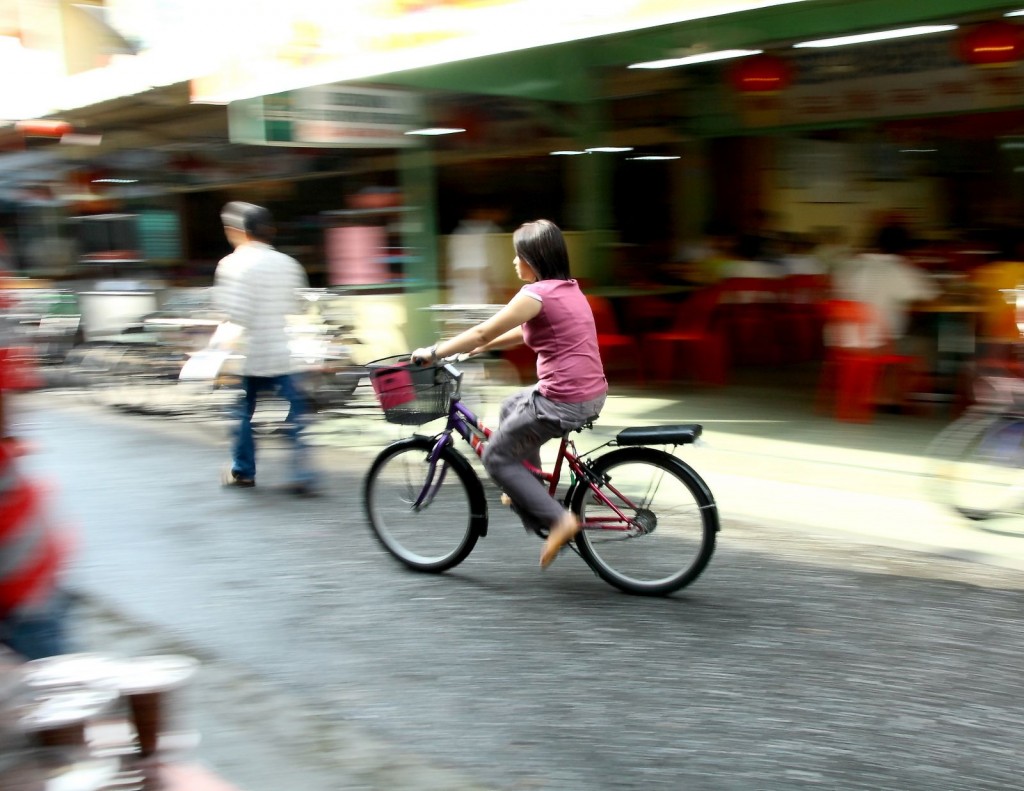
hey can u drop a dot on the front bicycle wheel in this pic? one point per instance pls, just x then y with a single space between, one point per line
429 519
979 465
651 527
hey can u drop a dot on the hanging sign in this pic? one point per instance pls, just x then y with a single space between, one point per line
342 116
897 79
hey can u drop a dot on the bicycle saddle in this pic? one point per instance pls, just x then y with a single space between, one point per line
660 435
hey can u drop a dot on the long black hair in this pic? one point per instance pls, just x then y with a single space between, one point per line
541 245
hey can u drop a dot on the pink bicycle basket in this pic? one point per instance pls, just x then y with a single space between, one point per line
409 394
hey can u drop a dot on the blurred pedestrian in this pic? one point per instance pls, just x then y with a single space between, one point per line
889 283
799 258
832 250
703 260
33 608
748 261
258 288
886 280
470 273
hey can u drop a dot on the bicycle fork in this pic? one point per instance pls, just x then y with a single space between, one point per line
437 469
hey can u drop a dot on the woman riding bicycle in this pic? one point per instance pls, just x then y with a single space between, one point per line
551 315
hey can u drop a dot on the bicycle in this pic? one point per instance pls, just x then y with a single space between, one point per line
977 461
649 521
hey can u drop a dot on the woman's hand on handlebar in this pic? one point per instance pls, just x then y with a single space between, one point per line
428 355
424 356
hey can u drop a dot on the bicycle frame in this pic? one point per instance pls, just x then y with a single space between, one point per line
466 424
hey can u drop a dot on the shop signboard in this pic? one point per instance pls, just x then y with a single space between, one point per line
888 80
342 116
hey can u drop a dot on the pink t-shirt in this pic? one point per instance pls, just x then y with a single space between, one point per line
563 335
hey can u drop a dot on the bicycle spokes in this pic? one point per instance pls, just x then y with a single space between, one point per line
632 515
648 527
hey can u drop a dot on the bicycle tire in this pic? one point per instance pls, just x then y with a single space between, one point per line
978 464
674 516
442 534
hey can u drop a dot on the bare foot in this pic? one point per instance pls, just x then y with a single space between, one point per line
506 500
560 535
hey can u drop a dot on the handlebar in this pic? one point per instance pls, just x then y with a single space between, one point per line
452 358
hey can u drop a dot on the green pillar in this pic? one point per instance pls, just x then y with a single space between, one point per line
418 177
591 193
690 189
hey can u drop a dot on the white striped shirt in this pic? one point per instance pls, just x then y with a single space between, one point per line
257 287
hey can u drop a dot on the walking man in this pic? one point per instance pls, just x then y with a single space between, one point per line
257 287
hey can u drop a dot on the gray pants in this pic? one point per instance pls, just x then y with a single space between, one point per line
528 420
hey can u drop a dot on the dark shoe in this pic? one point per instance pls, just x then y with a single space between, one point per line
230 478
301 490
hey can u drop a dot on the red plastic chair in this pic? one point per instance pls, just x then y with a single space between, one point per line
619 352
649 313
852 371
801 317
749 318
695 334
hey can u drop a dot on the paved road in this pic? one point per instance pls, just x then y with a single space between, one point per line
796 661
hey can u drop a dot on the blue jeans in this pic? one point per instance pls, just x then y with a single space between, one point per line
243 451
39 633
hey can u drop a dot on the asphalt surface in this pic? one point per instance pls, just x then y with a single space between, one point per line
798 660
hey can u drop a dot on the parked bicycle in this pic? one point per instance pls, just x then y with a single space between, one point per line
978 460
649 521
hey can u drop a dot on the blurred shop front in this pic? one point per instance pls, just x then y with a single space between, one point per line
909 126
634 160
574 120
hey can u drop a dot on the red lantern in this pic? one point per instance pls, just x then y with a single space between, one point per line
44 128
990 44
761 74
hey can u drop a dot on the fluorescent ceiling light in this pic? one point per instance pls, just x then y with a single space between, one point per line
567 153
435 130
689 60
115 181
654 157
609 149
1015 13
881 35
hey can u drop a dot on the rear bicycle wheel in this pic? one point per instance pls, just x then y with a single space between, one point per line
439 533
978 465
671 526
